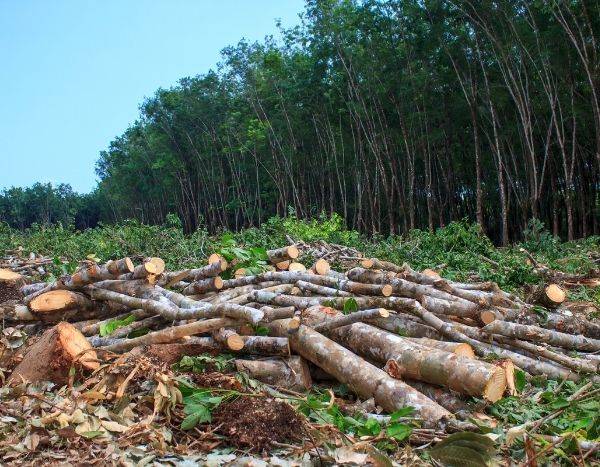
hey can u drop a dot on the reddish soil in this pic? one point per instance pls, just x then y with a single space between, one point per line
255 423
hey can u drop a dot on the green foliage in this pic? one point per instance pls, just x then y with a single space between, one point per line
456 249
253 259
114 324
202 363
350 306
464 449
319 409
198 407
549 401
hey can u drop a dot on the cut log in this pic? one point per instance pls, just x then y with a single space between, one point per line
321 267
406 326
51 358
296 267
172 334
363 378
60 305
271 314
449 400
344 320
310 288
241 272
215 258
6 275
374 263
459 348
283 254
211 284
549 296
477 338
59 300
283 265
553 320
120 266
229 338
421 363
537 334
290 373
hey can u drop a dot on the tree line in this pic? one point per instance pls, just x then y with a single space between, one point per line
395 114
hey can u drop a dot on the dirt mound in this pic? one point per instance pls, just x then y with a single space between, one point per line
9 291
255 423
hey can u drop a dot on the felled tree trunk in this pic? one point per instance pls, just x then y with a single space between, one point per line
407 326
229 339
463 375
60 305
192 346
374 263
364 379
554 320
550 296
283 254
291 373
51 358
559 339
459 348
172 334
11 277
447 399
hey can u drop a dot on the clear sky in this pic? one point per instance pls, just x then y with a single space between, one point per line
73 72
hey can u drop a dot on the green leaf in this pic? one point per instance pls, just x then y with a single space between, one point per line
92 434
261 331
458 456
400 413
350 306
520 380
114 324
190 421
560 403
398 431
370 428
480 443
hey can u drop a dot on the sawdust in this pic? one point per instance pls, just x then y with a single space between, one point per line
255 423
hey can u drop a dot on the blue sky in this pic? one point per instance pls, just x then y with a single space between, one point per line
73 72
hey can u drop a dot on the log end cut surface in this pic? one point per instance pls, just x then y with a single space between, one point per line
496 385
8 275
55 300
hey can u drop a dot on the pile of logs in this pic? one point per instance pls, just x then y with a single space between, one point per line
392 334
32 265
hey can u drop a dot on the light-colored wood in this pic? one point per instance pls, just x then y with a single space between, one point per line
290 373
229 338
214 258
8 275
296 267
51 358
321 267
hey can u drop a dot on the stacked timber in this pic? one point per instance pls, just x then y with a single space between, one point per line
392 334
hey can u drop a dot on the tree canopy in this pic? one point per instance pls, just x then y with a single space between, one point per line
395 114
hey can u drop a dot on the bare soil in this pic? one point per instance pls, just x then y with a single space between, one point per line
9 291
255 423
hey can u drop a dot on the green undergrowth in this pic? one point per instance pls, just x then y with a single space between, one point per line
460 250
